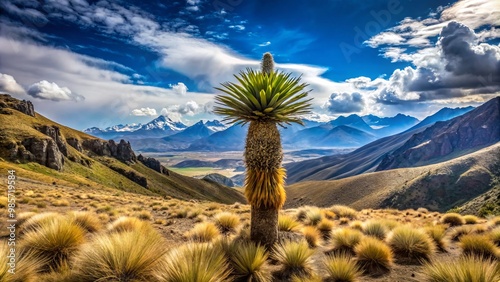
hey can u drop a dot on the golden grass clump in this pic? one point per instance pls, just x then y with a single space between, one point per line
4 202
466 269
495 221
249 262
478 245
312 236
495 236
203 232
54 241
470 219
325 227
452 219
373 256
345 240
125 256
288 224
295 259
126 224
456 233
23 217
227 223
144 215
37 220
200 262
375 229
438 234
356 224
26 266
87 220
313 216
311 278
344 211
342 267
408 242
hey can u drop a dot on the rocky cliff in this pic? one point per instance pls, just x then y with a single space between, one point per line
444 140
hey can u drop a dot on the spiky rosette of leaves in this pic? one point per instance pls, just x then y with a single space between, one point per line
274 96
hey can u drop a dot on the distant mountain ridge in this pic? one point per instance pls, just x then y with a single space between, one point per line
471 131
364 159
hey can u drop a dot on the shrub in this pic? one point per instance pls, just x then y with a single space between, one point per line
344 211
37 220
375 228
495 221
311 278
23 217
470 219
295 259
495 236
144 215
54 241
86 220
312 235
301 213
453 219
466 269
203 232
342 267
313 216
126 224
325 227
460 231
438 234
345 240
479 245
373 256
60 203
27 266
200 262
288 224
357 224
249 262
125 256
389 223
227 222
411 243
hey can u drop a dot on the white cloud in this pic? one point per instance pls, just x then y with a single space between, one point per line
476 14
384 38
344 103
239 27
51 91
179 88
144 112
9 85
265 44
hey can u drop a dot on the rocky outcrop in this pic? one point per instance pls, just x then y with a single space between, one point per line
75 143
443 140
121 151
54 133
25 107
153 164
132 175
219 178
43 151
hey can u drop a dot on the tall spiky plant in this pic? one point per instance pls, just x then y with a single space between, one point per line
264 99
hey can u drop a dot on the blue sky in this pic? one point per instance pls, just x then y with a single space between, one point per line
99 63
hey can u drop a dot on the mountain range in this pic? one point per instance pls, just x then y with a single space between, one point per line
163 134
442 165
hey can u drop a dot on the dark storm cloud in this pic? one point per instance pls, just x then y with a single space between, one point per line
343 103
466 67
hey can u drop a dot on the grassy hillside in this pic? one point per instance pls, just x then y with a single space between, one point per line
438 187
85 168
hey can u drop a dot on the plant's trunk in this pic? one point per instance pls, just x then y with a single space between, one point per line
264 226
264 183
